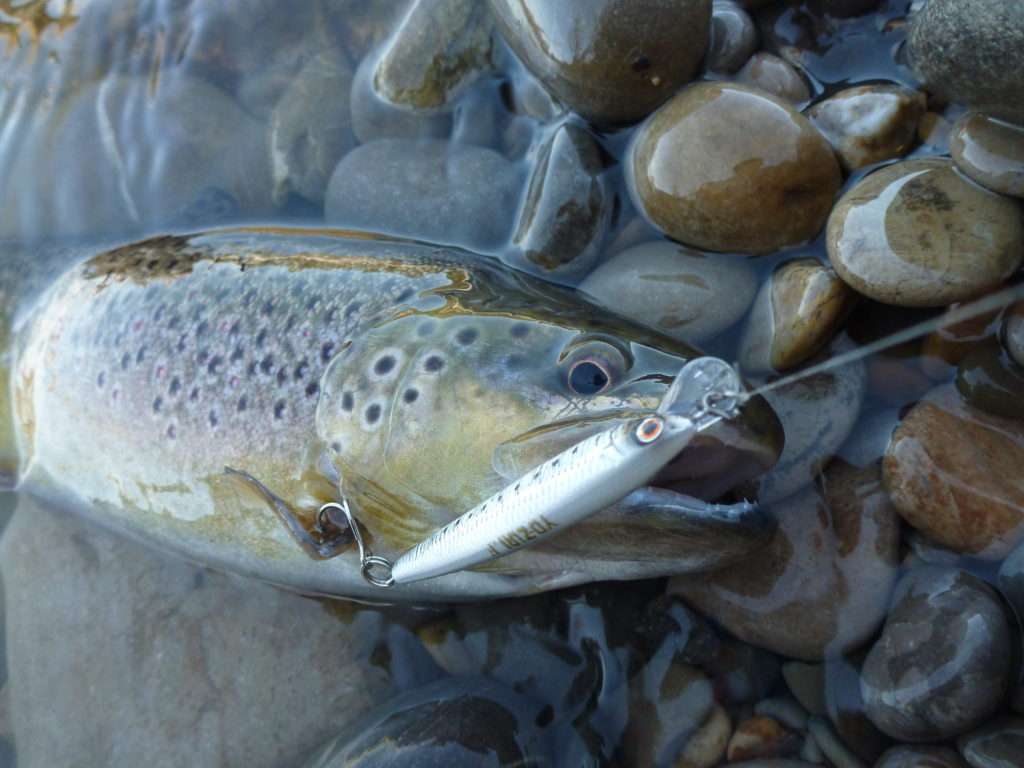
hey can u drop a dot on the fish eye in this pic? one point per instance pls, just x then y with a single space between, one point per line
593 367
588 377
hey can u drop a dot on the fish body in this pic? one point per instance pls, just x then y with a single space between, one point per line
308 358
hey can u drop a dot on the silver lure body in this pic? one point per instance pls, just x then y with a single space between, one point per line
564 490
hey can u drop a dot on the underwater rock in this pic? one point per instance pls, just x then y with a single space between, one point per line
733 37
373 118
920 757
999 745
990 151
990 380
1013 332
774 75
918 234
725 167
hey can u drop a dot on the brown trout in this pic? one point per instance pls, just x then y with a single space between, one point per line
419 376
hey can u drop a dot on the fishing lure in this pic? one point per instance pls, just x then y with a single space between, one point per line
577 483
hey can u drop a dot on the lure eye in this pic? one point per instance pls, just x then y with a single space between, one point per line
649 430
588 377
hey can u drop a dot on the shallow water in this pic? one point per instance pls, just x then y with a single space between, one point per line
125 118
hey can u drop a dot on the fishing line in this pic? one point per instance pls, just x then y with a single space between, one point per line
990 303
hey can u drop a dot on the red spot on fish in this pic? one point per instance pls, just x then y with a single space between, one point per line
137 326
161 371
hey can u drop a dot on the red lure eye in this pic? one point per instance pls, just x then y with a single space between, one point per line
649 429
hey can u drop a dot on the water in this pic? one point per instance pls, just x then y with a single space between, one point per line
120 119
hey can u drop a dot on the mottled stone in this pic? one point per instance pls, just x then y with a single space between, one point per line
821 586
434 190
918 234
990 380
817 414
437 49
311 128
920 757
1013 332
943 349
774 75
869 123
374 118
999 745
796 313
762 737
972 52
120 656
610 61
564 216
683 293
990 151
733 37
953 472
942 664
726 167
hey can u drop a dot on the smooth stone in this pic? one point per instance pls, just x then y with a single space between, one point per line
120 656
1011 581
945 348
436 51
685 294
360 26
807 684
434 190
990 151
847 714
837 753
918 234
818 413
942 664
990 380
374 118
786 711
481 118
920 757
564 217
774 75
762 736
971 52
934 131
453 722
610 61
999 745
869 123
1013 333
952 472
870 438
733 37
311 129
796 313
820 587
725 167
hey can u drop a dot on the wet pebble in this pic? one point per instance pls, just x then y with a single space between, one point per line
920 757
999 745
774 75
726 167
807 684
990 151
869 123
435 190
374 118
437 49
610 61
564 216
796 313
971 51
943 349
1013 333
733 37
311 128
989 379
952 472
942 663
838 754
934 131
821 585
683 293
785 710
762 737
918 234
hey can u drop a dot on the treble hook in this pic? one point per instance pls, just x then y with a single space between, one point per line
368 561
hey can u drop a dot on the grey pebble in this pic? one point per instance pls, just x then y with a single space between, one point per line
733 37
920 757
837 753
998 745
786 711
374 118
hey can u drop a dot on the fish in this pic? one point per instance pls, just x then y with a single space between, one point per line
410 374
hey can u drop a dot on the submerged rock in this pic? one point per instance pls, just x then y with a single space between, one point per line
942 664
918 234
999 745
434 190
686 294
774 75
989 379
990 151
920 757
733 37
373 118
1013 333
725 167
610 61
952 473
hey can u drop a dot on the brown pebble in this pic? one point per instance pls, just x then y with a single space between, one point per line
762 737
990 151
774 75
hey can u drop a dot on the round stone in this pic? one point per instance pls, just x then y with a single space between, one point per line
733 37
990 151
942 664
796 313
999 745
989 380
374 118
610 61
774 75
869 123
953 472
920 757
762 737
725 167
971 52
821 586
919 234
1013 332
685 294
